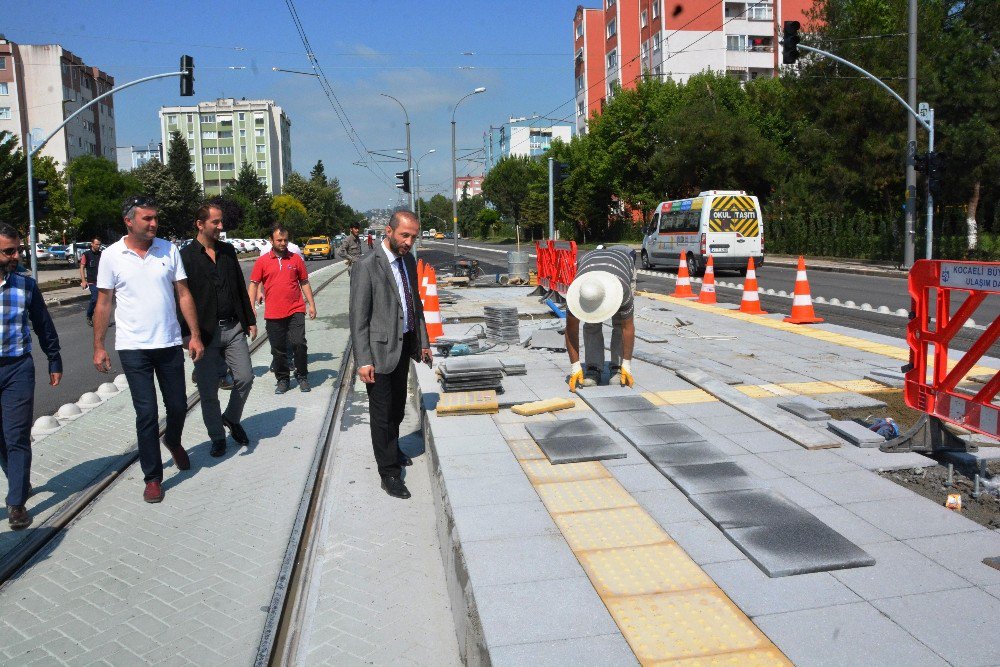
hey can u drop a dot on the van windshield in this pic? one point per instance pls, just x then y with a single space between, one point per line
734 213
316 242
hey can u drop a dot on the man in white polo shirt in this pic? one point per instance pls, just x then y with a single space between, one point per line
147 277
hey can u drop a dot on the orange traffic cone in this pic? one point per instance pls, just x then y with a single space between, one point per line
683 288
421 279
707 292
802 303
751 295
432 308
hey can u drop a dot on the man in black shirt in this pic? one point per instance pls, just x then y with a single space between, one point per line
88 275
225 318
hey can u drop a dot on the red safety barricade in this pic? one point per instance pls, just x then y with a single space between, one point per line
931 387
565 252
545 264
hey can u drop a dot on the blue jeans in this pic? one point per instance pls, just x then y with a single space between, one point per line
167 364
93 299
17 403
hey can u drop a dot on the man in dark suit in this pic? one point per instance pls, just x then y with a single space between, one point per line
387 331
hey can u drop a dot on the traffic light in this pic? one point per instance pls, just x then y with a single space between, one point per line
920 162
560 172
187 78
41 198
935 164
790 42
404 180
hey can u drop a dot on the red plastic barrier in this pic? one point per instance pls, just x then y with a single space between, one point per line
565 260
545 264
933 389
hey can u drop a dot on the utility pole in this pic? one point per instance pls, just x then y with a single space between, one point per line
552 207
909 242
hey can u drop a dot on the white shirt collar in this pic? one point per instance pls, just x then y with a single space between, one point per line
390 255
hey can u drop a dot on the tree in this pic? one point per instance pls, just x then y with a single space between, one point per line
252 195
13 183
290 212
180 194
60 222
508 184
98 192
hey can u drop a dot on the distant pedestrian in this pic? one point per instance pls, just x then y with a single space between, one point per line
371 241
89 262
21 307
225 318
387 331
146 276
284 279
350 249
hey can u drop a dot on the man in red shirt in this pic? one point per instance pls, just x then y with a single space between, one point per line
283 276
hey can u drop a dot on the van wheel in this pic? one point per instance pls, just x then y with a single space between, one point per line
694 268
645 261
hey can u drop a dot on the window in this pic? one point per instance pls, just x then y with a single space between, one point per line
243 133
208 118
656 42
190 118
736 43
243 150
172 119
226 166
609 3
209 134
242 116
643 19
258 119
579 30
612 28
225 150
261 148
211 166
210 150
644 49
190 135
758 12
4 113
612 60
259 132
656 9
579 83
3 89
228 134
579 55
3 62
579 108
261 164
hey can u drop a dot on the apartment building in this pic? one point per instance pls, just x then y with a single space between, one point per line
133 157
468 186
43 84
625 39
224 134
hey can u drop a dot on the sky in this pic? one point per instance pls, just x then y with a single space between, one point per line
426 53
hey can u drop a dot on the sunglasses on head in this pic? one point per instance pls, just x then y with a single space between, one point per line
140 201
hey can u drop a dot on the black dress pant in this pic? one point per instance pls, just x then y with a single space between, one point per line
386 406
281 333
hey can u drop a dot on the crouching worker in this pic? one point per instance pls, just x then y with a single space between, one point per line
603 288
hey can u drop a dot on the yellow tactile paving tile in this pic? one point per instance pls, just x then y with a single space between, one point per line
777 390
540 471
762 657
526 449
625 527
755 391
653 398
859 386
810 388
591 494
687 624
654 568
685 396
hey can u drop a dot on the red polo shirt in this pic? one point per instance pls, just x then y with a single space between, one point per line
280 278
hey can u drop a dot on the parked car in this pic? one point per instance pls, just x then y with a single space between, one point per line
425 234
62 253
318 247
41 252
449 235
81 247
439 236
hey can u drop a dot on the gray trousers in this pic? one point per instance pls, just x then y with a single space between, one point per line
593 344
228 348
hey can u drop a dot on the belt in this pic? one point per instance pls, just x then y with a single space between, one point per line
229 320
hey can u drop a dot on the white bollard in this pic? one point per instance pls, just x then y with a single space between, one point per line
68 412
121 381
785 294
902 312
44 426
107 390
835 301
89 401
866 306
884 310
850 304
819 299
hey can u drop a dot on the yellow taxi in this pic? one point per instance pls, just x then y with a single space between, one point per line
439 235
318 247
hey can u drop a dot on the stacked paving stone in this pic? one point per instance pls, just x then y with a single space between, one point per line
471 374
502 323
513 367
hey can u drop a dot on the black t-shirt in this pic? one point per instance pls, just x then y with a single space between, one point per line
224 307
90 261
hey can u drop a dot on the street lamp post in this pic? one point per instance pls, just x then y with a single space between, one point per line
454 168
409 154
417 179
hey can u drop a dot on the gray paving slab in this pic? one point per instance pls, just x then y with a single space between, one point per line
562 428
668 506
798 548
197 571
455 445
875 460
913 516
702 540
605 650
350 593
804 462
750 508
685 453
963 554
660 434
604 391
712 478
643 418
798 493
848 634
489 490
514 560
969 635
803 411
849 525
502 520
641 478
899 570
578 448
855 433
462 425
464 466
606 405
759 442
541 611
889 379
849 400
854 486
757 594
758 467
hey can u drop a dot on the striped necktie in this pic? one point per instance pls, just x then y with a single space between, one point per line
408 297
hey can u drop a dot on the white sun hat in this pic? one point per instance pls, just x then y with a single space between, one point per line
594 296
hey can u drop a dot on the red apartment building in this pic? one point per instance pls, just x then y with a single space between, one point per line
615 44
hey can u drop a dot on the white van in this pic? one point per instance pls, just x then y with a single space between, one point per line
725 223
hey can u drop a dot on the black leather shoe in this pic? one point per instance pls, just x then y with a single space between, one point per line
218 448
19 518
281 387
236 429
405 460
394 487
